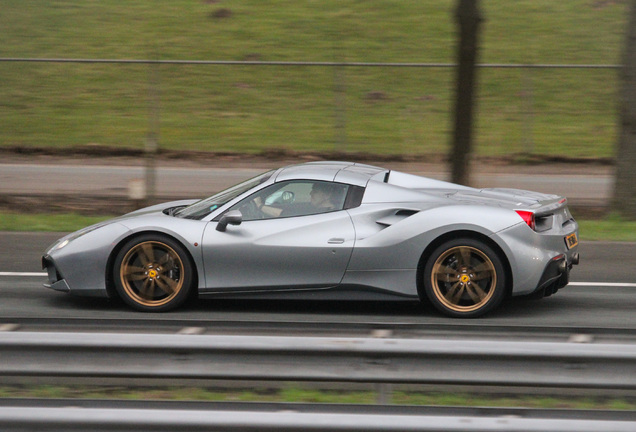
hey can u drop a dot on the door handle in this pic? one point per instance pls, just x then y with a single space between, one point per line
335 241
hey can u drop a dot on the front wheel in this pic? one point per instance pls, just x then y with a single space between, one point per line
464 278
152 273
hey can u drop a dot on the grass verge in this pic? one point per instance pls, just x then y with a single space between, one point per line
62 222
247 108
612 228
300 395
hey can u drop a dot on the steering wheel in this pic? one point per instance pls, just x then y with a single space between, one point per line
251 211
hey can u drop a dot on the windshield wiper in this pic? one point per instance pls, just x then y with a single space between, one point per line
173 211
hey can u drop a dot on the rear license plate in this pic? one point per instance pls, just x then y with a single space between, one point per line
571 240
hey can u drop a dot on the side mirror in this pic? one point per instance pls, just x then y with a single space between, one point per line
233 217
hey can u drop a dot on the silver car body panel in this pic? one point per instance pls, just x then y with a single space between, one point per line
295 252
377 245
81 262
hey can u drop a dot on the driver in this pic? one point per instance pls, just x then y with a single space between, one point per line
322 197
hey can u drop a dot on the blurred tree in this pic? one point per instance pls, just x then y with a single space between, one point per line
624 201
468 18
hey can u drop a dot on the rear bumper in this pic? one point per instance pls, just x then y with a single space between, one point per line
538 260
556 275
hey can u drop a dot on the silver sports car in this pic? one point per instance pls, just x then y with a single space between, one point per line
328 230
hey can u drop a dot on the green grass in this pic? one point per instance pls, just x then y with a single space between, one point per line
612 228
251 109
46 221
300 395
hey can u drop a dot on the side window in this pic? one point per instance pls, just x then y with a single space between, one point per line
293 198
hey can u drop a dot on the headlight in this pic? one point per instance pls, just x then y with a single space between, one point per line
77 234
62 244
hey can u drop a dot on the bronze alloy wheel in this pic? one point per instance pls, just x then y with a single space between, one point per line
151 274
465 278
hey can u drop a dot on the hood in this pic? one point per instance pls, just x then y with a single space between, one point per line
158 208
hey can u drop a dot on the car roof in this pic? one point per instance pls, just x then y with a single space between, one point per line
342 172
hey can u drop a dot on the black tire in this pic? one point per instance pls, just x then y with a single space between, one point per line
153 273
464 278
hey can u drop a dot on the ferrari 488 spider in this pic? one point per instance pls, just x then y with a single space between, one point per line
328 230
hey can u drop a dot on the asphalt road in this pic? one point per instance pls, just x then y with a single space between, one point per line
600 305
581 188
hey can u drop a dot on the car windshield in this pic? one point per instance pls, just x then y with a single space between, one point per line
201 209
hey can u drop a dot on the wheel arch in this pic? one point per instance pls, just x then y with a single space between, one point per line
110 285
426 254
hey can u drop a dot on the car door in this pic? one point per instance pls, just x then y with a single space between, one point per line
294 247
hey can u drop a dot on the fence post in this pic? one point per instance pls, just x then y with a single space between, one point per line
340 96
152 140
528 121
468 17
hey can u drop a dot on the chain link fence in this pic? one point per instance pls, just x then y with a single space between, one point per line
256 106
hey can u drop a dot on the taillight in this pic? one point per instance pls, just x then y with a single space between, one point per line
528 218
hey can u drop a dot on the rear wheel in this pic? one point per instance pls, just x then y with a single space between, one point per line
153 273
464 278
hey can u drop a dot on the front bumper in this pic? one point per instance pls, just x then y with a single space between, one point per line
56 281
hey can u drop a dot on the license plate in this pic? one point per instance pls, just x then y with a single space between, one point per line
571 240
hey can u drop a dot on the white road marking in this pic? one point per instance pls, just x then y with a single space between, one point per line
581 284
605 284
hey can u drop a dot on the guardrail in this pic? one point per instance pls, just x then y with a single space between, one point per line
456 361
395 327
327 359
13 419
